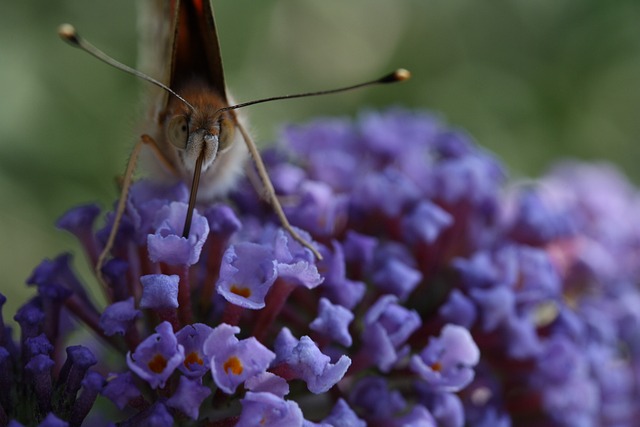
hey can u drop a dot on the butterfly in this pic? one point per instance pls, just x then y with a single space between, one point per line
190 126
182 50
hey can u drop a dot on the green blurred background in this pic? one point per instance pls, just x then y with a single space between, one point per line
534 81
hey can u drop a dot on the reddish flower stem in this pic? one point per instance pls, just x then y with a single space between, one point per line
275 300
213 271
185 315
170 315
232 313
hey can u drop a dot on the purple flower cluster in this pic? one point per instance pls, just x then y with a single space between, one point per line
445 296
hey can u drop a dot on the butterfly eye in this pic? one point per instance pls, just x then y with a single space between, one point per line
178 132
227 131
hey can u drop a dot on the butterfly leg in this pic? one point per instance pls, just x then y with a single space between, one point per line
124 194
270 193
151 143
122 202
256 182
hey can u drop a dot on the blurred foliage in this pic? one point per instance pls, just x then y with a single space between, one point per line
532 81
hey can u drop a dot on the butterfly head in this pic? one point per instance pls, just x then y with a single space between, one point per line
199 127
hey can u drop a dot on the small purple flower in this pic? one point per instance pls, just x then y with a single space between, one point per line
535 223
38 375
419 416
336 287
446 408
58 271
537 278
447 362
121 389
286 178
192 338
496 306
157 357
387 326
453 143
561 360
146 199
79 221
319 211
388 191
373 397
332 133
233 361
521 337
301 273
268 382
335 164
155 416
30 318
343 416
425 223
268 410
38 345
303 359
159 291
391 133
247 272
616 381
167 245
602 204
118 317
473 179
333 321
92 384
573 402
492 418
53 421
295 263
359 248
222 220
487 269
189 396
73 372
395 277
115 271
458 309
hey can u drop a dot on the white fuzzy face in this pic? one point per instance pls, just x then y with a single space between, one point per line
199 129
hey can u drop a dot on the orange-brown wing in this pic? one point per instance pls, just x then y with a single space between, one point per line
196 51
178 43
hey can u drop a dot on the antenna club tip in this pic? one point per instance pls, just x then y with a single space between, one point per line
401 74
68 33
398 75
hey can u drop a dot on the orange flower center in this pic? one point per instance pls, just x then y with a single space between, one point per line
234 365
243 292
192 358
157 364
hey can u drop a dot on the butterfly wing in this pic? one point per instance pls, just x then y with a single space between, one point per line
196 51
179 43
179 47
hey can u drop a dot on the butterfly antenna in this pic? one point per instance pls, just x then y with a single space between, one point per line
69 34
398 75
